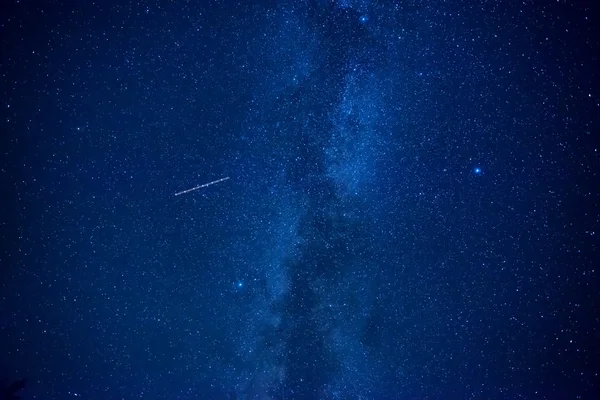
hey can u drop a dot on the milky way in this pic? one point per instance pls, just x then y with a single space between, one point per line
410 209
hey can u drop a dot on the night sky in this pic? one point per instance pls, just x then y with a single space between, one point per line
412 210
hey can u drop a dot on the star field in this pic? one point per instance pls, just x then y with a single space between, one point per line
315 199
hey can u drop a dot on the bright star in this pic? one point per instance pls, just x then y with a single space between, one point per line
477 170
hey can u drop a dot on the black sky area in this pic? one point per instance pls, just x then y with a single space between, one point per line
399 199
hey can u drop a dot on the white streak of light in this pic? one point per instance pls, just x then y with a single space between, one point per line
202 186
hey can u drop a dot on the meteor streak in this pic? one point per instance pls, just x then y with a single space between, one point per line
202 186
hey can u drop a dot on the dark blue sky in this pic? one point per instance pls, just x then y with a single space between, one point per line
412 209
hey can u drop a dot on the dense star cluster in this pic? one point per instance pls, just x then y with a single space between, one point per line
392 199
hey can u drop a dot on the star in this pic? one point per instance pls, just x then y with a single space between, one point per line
477 171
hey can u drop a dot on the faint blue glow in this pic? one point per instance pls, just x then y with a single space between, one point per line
364 18
239 284
477 171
